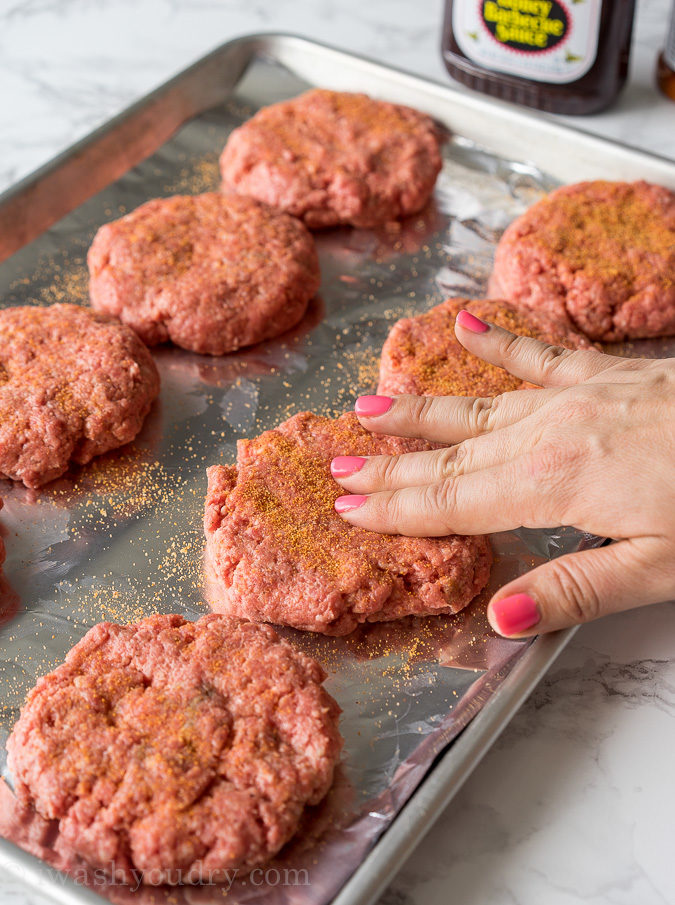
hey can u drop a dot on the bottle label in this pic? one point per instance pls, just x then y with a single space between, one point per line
542 40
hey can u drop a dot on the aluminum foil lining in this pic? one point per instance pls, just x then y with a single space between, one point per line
122 538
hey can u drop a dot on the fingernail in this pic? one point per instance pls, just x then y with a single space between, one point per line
515 614
344 466
470 322
371 406
350 502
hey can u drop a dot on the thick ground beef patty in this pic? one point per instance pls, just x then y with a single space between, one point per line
177 749
277 551
599 256
210 273
331 157
73 384
422 357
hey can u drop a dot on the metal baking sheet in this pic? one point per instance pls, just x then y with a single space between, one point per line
122 538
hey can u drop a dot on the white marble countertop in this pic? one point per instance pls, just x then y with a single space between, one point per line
576 802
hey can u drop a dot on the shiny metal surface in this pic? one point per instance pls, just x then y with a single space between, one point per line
122 538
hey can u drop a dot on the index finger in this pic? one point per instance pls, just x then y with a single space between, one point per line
448 419
527 358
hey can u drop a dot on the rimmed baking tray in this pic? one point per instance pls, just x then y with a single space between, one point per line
122 538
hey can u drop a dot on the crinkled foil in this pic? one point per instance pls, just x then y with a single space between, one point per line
122 538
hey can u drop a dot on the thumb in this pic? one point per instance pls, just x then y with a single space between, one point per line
580 587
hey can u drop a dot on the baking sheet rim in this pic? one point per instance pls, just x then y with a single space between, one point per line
464 753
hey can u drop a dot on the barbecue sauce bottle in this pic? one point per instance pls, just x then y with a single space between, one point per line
562 57
665 70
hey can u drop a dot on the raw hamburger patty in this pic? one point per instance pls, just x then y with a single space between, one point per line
73 384
330 157
421 356
177 749
599 256
209 272
277 551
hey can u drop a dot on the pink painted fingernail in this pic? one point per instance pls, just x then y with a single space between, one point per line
470 322
349 502
344 466
371 406
515 614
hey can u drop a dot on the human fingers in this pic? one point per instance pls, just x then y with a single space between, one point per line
527 358
580 587
494 499
447 419
371 474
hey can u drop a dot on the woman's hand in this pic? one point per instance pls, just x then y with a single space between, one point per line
594 449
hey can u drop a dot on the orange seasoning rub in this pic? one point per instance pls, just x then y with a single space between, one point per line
332 158
599 256
73 385
422 357
277 551
211 273
176 750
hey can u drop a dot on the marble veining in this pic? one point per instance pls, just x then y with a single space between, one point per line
575 802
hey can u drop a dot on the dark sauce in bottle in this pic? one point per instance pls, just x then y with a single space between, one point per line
562 57
665 70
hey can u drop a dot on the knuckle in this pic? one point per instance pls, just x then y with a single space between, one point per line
546 359
549 359
389 468
586 360
661 379
574 593
440 500
552 467
420 411
393 512
594 446
451 459
578 409
514 346
584 404
482 413
552 462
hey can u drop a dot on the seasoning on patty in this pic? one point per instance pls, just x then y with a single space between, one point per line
598 256
210 273
177 750
422 357
277 551
73 384
332 158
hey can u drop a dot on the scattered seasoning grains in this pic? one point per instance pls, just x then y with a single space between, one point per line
272 519
134 487
607 240
202 175
422 356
